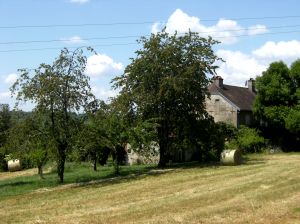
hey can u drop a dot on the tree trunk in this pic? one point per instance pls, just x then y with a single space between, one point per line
61 162
162 154
95 164
40 172
116 167
163 136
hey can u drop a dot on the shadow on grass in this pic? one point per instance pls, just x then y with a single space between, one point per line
129 175
195 164
124 176
82 175
15 184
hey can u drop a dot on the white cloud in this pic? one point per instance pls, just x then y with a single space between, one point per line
280 50
11 78
238 67
101 64
79 1
4 95
225 30
156 27
72 40
103 93
257 29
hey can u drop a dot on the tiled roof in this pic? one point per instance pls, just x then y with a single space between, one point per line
240 96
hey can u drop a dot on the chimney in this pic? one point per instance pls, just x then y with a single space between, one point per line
218 81
251 85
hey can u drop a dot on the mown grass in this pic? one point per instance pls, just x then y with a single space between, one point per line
264 190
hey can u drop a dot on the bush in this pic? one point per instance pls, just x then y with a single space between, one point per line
3 163
212 141
248 140
228 131
26 161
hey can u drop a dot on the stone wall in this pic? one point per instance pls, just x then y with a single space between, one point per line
148 156
221 110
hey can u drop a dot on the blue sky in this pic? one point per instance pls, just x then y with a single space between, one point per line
248 45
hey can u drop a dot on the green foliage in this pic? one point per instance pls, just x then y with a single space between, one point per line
292 121
228 131
3 162
5 123
59 91
248 140
278 102
118 135
143 139
92 141
167 83
213 140
30 142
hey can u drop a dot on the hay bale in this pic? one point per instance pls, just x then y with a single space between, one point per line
231 157
14 165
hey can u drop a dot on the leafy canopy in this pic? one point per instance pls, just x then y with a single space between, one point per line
166 83
278 100
58 91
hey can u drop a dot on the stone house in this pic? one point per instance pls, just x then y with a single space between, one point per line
231 104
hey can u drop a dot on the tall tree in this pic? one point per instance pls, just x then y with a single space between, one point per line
5 122
278 99
58 91
167 82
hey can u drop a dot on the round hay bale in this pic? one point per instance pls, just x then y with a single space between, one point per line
14 165
231 157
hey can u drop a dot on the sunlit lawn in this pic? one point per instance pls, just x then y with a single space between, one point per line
264 190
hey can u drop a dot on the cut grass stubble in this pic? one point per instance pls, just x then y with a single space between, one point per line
265 190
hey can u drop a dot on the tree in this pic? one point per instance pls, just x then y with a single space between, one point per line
167 83
59 91
29 141
278 100
93 141
5 123
118 135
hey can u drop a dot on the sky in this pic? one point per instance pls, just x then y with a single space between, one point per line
252 34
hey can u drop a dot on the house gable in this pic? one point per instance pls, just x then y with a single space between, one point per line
230 104
221 109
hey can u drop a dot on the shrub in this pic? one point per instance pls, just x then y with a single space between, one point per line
228 131
212 141
26 161
3 163
248 140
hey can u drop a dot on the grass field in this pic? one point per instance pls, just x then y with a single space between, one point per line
264 190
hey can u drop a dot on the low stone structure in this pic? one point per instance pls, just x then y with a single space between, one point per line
150 156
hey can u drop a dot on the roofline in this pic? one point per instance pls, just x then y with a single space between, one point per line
226 99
